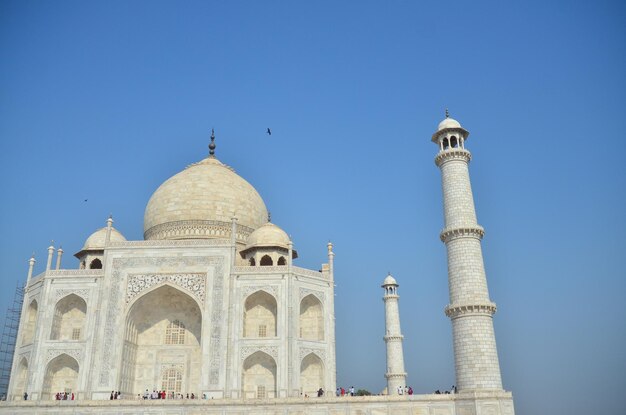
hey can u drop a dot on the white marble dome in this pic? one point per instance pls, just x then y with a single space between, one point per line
448 123
389 280
268 235
200 202
97 239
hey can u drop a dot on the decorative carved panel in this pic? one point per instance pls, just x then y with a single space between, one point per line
194 284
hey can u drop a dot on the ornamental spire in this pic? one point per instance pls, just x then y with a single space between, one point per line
212 145
447 113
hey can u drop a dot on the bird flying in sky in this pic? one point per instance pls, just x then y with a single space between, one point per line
269 132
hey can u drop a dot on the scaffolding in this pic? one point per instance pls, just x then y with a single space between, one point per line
8 339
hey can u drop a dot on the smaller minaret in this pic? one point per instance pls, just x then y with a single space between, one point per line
396 376
31 265
50 253
59 255
233 238
331 261
109 227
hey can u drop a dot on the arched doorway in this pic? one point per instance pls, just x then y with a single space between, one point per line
162 346
69 318
61 376
21 379
311 318
28 334
311 375
259 319
259 376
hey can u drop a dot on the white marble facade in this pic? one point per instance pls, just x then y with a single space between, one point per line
209 303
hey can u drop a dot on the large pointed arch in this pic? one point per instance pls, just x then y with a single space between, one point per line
311 374
162 335
61 376
28 333
69 318
21 379
260 315
259 376
311 318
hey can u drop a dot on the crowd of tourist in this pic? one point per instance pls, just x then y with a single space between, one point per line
62 396
165 395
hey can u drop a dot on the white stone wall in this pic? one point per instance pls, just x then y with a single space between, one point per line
199 272
492 403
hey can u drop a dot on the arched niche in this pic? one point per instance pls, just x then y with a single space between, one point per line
69 318
259 376
61 376
311 374
311 318
28 335
95 264
163 331
21 377
266 260
260 312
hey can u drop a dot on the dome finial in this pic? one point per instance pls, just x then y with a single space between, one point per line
212 145
447 113
269 216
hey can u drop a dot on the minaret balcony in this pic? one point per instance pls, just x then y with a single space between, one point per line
452 154
458 310
476 232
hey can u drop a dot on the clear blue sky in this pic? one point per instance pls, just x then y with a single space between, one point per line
106 100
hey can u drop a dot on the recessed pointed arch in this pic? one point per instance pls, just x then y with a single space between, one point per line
21 378
311 318
162 341
95 264
260 315
69 318
259 376
311 374
28 333
61 376
266 260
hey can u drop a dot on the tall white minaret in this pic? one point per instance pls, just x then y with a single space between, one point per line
396 376
471 311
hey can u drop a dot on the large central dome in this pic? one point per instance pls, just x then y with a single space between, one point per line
200 202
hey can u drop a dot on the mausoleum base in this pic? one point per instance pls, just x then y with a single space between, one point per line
468 403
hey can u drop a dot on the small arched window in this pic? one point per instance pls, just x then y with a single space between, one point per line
95 264
175 333
454 143
446 143
252 262
266 260
281 261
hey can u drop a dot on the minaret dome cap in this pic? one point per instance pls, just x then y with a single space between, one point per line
449 125
389 280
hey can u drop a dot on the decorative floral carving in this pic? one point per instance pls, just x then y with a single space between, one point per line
193 283
114 317
75 353
249 289
305 351
209 228
58 294
249 350
319 294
